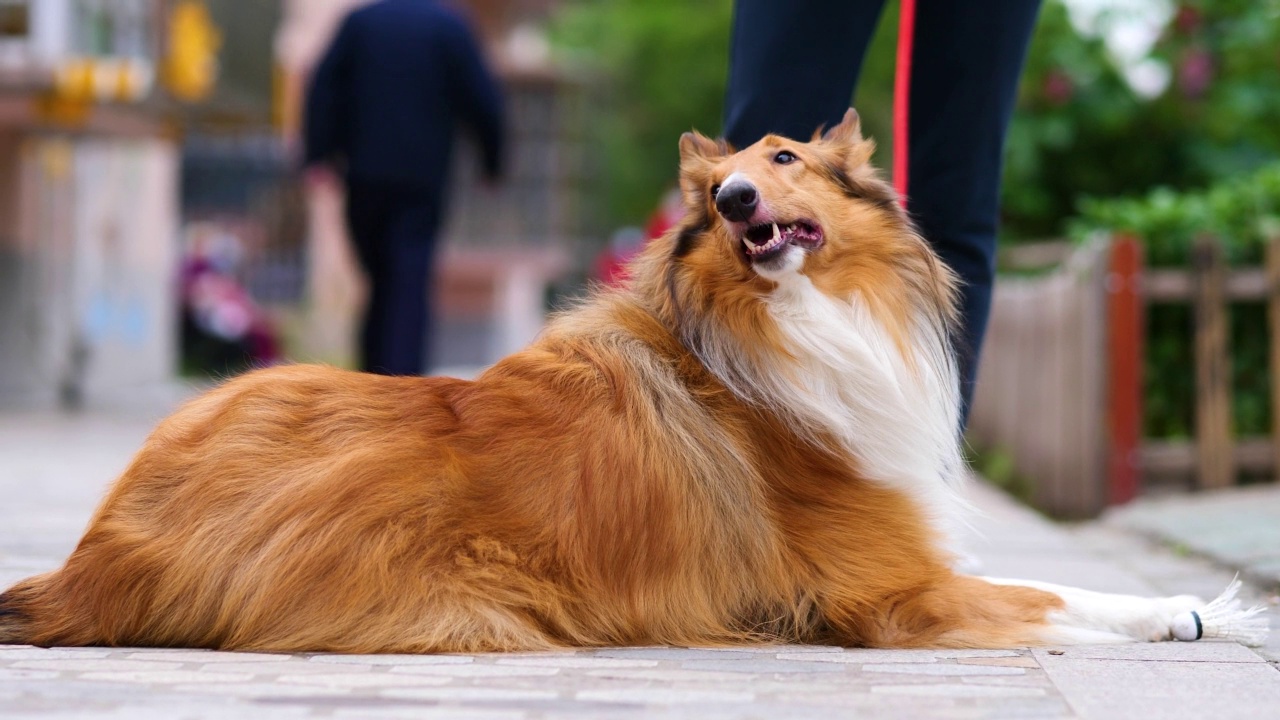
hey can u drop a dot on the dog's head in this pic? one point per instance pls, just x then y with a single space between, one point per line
797 279
782 207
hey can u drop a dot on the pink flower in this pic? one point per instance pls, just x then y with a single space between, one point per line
1058 88
1195 72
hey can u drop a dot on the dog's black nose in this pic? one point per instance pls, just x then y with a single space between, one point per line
737 201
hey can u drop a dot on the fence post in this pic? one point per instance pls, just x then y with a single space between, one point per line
1126 333
1215 468
1273 343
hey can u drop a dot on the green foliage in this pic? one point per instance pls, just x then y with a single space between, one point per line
1080 130
1071 131
1243 213
660 68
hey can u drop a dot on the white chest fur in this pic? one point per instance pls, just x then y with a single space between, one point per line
898 416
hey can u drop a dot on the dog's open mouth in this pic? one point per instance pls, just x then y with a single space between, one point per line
768 240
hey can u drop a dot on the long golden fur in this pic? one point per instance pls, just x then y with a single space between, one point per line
641 474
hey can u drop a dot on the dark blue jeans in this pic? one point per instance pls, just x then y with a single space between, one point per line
793 67
394 233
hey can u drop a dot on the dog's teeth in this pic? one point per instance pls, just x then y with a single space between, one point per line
776 234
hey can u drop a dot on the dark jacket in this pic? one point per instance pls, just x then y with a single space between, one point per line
385 100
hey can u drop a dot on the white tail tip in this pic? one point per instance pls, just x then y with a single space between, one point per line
1223 618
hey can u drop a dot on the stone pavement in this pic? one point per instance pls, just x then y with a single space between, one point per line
1237 527
54 468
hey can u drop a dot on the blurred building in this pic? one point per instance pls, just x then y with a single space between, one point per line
136 133
88 200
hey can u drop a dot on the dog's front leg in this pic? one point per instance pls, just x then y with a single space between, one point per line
960 611
1095 617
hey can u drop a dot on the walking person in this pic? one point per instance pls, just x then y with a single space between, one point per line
793 67
400 77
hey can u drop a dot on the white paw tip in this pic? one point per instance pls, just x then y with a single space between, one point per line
1186 627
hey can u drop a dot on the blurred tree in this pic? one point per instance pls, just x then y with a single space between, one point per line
1082 130
660 67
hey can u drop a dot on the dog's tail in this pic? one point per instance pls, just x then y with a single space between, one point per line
19 608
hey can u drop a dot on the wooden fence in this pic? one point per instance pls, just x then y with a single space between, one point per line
1061 380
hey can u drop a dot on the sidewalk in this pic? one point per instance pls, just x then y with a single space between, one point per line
53 469
1237 528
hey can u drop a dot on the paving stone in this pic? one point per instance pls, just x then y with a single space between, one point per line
364 680
474 670
664 696
78 665
262 690
470 693
288 667
208 656
1124 689
433 713
940 669
676 654
21 674
1201 651
26 652
955 654
576 662
393 659
958 690
849 658
166 711
763 665
676 674
167 676
1022 662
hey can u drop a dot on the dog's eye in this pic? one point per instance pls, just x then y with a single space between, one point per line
715 190
784 158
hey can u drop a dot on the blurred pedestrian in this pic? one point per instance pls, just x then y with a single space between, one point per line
398 78
793 67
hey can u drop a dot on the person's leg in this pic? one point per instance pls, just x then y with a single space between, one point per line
966 62
406 325
793 65
367 222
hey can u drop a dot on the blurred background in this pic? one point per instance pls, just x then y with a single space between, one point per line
155 231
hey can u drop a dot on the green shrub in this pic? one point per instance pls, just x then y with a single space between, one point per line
1242 213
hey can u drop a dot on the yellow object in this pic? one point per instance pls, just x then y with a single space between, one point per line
58 110
74 80
190 70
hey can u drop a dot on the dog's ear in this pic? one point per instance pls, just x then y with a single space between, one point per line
846 139
847 132
696 153
695 145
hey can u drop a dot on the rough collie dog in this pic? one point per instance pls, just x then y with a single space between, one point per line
754 440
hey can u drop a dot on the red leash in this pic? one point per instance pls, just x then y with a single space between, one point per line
902 97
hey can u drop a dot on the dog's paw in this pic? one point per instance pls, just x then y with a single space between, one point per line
1167 609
